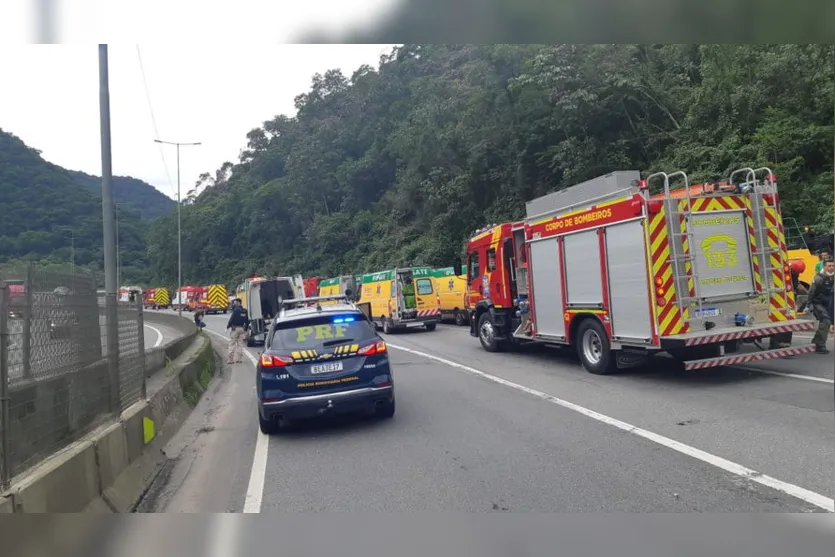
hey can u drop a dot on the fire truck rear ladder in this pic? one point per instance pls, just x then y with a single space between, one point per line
764 252
683 263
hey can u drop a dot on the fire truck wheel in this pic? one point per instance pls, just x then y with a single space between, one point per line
487 333
593 348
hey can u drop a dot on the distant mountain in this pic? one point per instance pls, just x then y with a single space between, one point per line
131 193
51 216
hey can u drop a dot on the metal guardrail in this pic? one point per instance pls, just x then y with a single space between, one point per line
57 380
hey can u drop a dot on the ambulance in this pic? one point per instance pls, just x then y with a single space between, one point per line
345 285
401 298
451 294
701 272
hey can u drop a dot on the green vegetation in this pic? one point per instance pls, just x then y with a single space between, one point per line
398 166
47 210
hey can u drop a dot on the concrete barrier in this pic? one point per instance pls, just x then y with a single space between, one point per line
109 469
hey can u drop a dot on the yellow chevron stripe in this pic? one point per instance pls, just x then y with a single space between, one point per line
296 355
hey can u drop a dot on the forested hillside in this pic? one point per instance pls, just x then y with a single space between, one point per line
47 209
131 194
397 166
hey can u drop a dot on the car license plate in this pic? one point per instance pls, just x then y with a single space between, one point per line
326 368
707 312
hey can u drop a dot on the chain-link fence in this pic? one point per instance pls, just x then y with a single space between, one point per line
56 380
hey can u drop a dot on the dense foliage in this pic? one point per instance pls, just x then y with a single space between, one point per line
398 165
52 215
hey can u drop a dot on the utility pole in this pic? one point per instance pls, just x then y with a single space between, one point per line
118 254
179 225
109 234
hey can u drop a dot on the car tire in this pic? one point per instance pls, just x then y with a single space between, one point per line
487 334
593 348
431 326
267 427
385 410
460 318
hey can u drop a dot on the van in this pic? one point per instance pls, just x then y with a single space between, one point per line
451 293
401 298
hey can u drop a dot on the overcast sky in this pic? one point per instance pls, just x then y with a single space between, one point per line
213 94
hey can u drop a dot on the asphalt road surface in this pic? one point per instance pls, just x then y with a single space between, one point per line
481 432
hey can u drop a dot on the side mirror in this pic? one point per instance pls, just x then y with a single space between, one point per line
456 265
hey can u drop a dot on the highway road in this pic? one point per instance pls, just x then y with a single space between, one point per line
49 356
481 432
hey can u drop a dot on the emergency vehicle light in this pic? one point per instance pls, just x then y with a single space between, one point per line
659 291
344 320
659 282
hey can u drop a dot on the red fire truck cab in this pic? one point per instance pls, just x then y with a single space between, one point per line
699 272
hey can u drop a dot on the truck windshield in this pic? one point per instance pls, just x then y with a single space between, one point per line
322 332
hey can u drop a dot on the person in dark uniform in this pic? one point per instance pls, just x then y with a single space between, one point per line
237 326
820 298
198 318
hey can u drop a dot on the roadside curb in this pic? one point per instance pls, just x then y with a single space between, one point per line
109 469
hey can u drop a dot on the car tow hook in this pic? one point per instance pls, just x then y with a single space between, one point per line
327 409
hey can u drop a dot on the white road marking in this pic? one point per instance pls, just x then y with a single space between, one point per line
746 367
255 489
159 335
798 492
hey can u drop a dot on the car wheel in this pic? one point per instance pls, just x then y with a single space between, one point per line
594 349
267 426
386 409
487 334
431 326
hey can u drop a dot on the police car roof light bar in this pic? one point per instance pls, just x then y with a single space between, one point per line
283 304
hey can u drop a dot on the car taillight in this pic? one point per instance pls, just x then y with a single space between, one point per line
378 347
272 360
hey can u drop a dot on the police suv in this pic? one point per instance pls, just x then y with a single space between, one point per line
322 359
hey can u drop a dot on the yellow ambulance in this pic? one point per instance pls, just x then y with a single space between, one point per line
451 292
401 298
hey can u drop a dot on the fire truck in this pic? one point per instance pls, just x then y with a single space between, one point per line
311 287
184 298
700 272
156 298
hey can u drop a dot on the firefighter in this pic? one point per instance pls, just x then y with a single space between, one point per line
237 326
820 298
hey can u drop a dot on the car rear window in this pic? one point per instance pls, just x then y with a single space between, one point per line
322 332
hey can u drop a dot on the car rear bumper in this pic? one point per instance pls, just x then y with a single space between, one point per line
340 402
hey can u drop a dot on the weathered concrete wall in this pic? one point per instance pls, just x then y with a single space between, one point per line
109 469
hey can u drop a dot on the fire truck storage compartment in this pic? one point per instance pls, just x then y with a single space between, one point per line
583 277
629 289
722 266
546 274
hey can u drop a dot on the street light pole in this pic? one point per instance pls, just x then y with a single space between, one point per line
118 255
179 225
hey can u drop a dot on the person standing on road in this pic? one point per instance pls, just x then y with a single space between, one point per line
237 326
820 298
823 255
